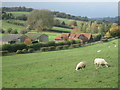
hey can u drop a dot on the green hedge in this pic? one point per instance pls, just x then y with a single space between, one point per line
14 47
51 44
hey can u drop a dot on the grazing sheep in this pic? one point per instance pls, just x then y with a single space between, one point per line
100 62
80 65
99 51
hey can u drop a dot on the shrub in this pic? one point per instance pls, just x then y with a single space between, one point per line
51 43
104 39
51 48
72 41
18 51
24 51
61 43
65 46
14 47
30 50
71 46
3 52
97 37
44 49
75 45
77 41
35 46
59 47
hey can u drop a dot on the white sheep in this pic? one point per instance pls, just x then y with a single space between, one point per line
100 62
80 65
99 51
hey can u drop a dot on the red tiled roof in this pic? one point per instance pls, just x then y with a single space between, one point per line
67 34
58 37
88 35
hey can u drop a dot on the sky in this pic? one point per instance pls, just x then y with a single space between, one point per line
89 9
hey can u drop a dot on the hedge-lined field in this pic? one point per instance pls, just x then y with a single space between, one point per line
19 13
6 26
56 69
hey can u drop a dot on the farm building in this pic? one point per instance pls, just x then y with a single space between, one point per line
35 37
12 38
84 37
27 38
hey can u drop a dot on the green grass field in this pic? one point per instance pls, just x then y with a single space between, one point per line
19 13
61 29
6 26
56 69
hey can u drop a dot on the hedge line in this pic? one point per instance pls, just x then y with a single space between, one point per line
37 46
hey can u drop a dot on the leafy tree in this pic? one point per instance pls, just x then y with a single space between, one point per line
9 30
56 22
115 31
63 23
73 23
14 31
23 31
40 20
2 31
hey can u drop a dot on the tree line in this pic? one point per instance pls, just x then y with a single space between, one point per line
13 9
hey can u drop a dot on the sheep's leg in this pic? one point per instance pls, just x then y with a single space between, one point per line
106 65
96 66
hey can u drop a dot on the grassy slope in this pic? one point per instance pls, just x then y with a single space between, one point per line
57 68
19 13
5 26
61 29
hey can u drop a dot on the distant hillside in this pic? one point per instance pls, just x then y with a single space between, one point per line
107 19
56 13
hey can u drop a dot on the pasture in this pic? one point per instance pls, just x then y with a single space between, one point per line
56 69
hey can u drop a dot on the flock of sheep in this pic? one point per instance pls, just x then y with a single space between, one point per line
98 62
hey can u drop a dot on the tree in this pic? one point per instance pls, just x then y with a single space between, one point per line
56 22
14 31
115 31
63 23
40 20
72 23
2 31
9 30
23 31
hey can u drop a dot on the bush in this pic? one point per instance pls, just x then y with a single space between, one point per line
51 48
97 37
59 47
51 43
77 41
44 49
104 39
61 43
30 50
72 41
13 47
35 46
3 52
24 51
71 46
65 46
75 45
18 51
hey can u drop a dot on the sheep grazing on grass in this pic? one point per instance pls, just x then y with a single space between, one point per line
99 51
100 62
80 65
